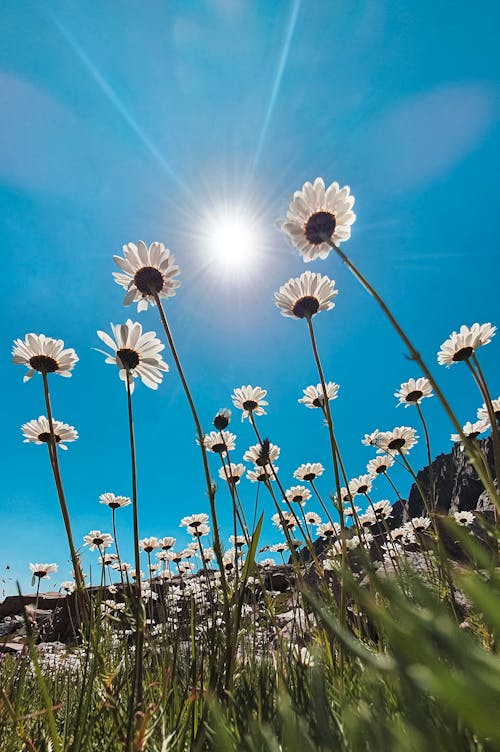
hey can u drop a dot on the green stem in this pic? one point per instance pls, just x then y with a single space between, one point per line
136 699
60 491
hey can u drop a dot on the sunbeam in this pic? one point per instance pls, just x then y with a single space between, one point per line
120 107
292 22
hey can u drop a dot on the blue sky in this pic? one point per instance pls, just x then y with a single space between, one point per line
127 121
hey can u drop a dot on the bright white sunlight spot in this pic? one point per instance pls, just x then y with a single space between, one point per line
233 240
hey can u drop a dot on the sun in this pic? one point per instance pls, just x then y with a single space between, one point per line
233 240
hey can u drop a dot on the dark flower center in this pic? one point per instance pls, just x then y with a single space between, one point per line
221 421
414 396
219 448
262 477
147 279
250 405
328 532
319 227
396 444
297 498
381 469
44 363
463 354
128 358
98 541
318 401
45 437
306 307
362 489
310 476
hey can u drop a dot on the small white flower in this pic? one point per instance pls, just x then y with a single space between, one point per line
220 442
114 502
144 270
43 570
305 296
149 544
249 399
361 485
471 430
464 518
43 354
96 539
298 494
135 353
317 214
462 344
400 439
309 471
262 454
328 530
412 392
379 465
37 431
482 413
313 395
232 473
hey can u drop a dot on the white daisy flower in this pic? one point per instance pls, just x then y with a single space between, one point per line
232 473
43 570
471 430
317 214
68 586
328 530
198 530
107 560
250 399
220 442
114 502
145 269
309 471
194 520
312 518
400 439
382 509
298 494
361 485
37 431
262 454
482 413
305 296
222 419
462 344
464 518
166 543
417 524
313 395
379 465
149 544
96 539
278 548
43 354
370 439
262 474
135 352
412 392
284 519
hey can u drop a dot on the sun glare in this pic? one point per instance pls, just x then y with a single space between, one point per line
233 240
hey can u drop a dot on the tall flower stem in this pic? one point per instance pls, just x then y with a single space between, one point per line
59 486
335 452
136 699
208 480
471 450
483 387
432 498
